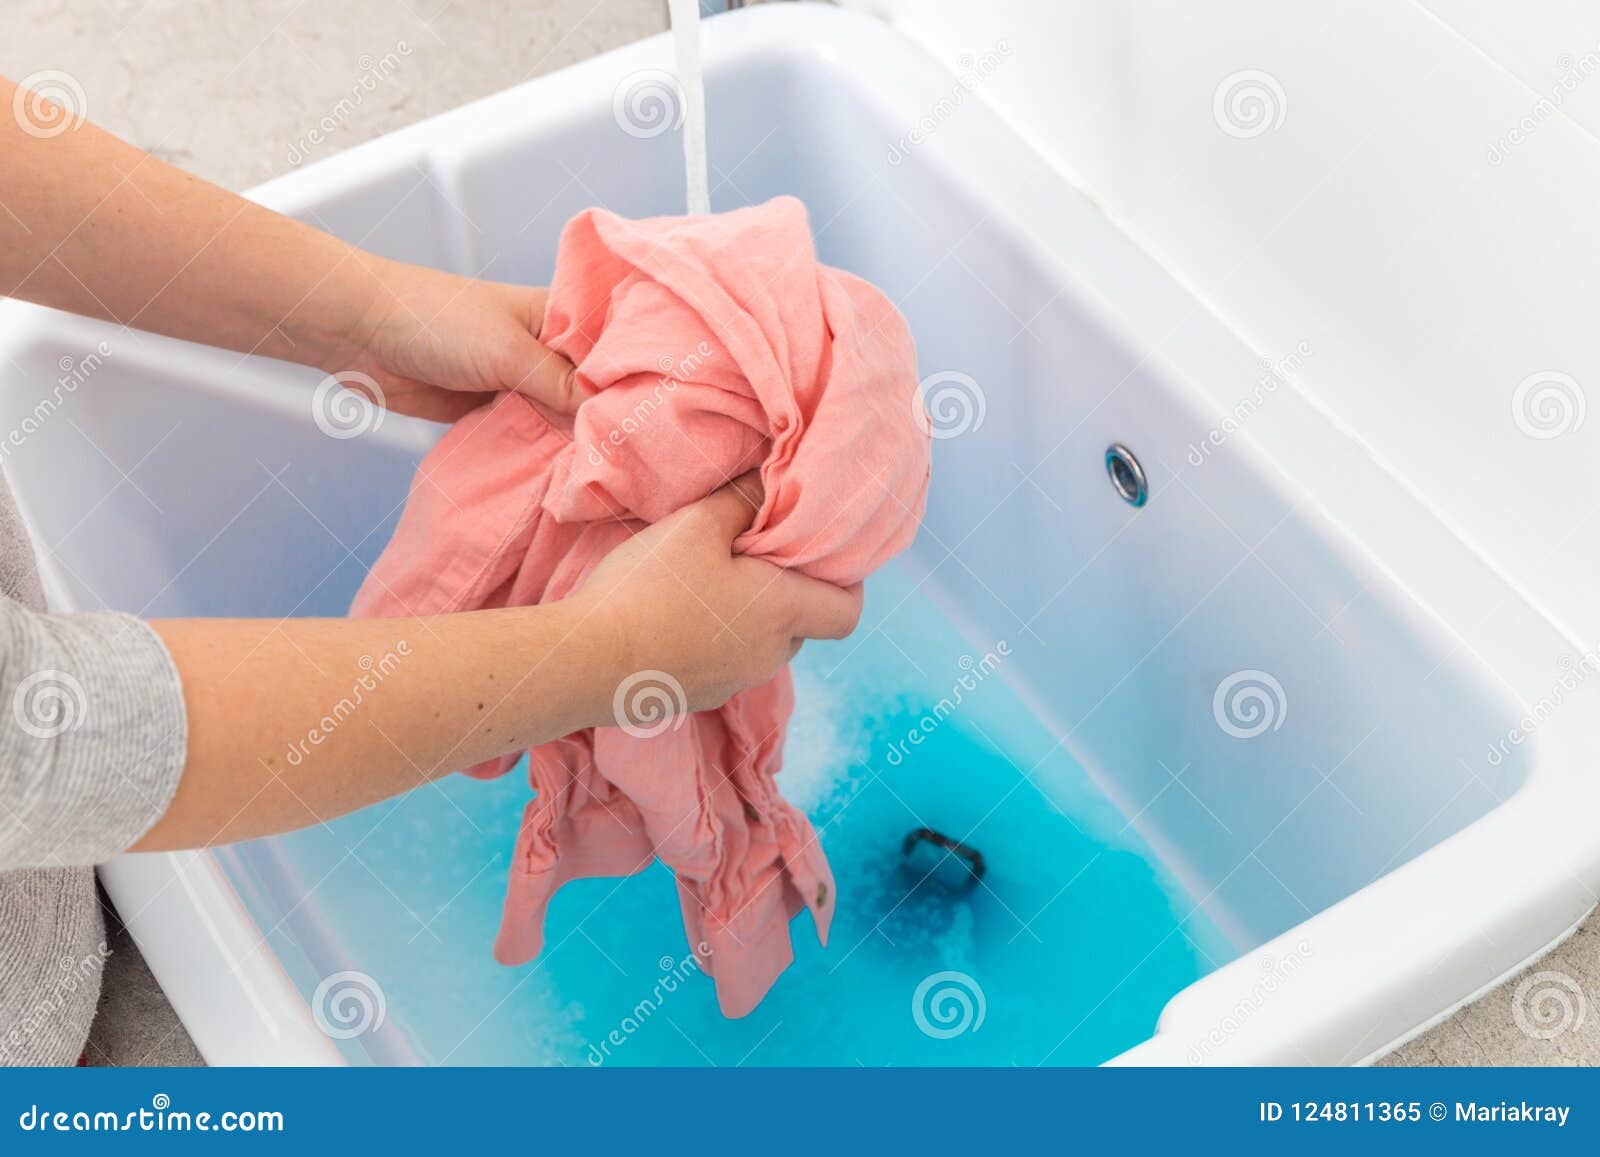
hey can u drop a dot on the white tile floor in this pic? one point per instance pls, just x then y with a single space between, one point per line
233 89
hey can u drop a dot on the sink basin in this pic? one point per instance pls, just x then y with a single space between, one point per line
1265 765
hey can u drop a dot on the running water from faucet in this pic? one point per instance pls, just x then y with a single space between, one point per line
685 18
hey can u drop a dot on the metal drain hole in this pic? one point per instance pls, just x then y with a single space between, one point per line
1127 476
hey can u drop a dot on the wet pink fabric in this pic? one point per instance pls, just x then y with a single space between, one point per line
706 346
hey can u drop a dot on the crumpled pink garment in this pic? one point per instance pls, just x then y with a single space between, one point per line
707 347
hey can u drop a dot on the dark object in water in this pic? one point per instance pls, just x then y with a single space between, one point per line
947 849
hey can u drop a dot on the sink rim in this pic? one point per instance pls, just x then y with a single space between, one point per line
1389 947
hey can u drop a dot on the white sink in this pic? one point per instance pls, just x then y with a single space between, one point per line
1316 708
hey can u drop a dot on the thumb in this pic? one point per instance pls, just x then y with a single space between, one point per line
733 508
545 376
822 610
537 370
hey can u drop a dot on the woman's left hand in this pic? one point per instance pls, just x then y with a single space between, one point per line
108 231
438 345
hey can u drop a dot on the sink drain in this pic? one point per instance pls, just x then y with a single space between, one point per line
967 862
1127 476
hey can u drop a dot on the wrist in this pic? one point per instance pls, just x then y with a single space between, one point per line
332 327
589 657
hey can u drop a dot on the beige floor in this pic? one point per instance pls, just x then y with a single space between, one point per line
228 89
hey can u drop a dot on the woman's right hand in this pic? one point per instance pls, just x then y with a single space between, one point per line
676 599
270 750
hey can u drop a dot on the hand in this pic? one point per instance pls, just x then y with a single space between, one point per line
679 601
438 345
111 232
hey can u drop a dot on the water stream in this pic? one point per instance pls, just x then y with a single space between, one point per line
685 16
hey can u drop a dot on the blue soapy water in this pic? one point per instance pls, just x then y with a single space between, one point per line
1064 953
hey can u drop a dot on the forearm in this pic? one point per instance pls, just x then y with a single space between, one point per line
297 722
95 226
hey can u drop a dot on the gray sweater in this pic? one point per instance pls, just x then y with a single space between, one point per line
92 742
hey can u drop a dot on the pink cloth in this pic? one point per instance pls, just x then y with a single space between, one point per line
707 347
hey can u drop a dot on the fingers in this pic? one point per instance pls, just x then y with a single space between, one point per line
733 508
548 377
439 405
750 489
822 610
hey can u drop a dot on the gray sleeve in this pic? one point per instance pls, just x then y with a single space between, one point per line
93 735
